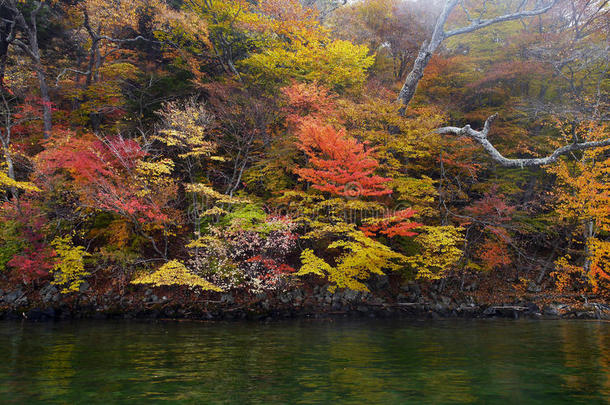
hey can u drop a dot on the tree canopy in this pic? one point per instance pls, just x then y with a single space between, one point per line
258 145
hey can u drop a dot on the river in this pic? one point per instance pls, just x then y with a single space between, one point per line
306 361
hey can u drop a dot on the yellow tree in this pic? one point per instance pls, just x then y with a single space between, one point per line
275 41
583 198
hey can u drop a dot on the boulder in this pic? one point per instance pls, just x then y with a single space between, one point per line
551 310
350 295
285 297
49 293
532 308
227 298
84 286
489 311
13 296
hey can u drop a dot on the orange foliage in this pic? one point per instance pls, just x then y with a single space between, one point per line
341 165
393 225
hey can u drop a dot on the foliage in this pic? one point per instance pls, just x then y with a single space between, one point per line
10 242
32 257
175 273
111 175
360 257
248 249
583 198
439 251
7 183
69 269
186 127
245 142
341 166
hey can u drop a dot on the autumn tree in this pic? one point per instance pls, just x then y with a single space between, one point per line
21 31
583 197
343 210
341 166
112 175
393 28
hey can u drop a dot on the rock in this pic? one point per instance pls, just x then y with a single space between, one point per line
604 313
227 298
532 308
472 286
362 308
445 300
99 316
260 296
489 311
12 316
532 287
381 282
49 293
13 296
551 310
351 295
84 286
156 300
337 298
586 315
147 292
415 289
285 298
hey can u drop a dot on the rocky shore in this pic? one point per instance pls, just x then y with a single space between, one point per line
317 301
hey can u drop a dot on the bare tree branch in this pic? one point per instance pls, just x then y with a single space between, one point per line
481 138
439 35
478 24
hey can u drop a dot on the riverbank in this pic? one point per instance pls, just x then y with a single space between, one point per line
307 301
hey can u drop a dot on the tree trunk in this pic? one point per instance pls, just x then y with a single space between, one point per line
423 57
439 35
410 86
46 102
33 52
589 232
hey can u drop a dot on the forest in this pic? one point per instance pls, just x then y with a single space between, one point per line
201 147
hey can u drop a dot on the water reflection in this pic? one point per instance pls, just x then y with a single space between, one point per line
306 362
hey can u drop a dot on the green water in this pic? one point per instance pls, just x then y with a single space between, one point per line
391 362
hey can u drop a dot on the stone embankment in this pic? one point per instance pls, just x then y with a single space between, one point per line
317 301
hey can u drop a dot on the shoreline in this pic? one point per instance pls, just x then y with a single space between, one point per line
307 302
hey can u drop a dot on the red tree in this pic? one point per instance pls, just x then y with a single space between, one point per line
105 176
340 165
